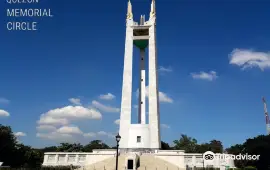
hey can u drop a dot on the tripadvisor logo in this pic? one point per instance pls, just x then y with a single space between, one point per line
210 156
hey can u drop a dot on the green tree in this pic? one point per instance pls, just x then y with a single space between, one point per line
67 147
186 143
216 146
95 144
49 149
8 144
236 150
165 146
259 145
202 148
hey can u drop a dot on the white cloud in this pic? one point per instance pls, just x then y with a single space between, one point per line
108 96
55 136
163 97
69 130
212 75
135 106
165 70
46 128
4 101
164 126
117 122
46 119
4 113
104 108
89 135
248 59
107 134
63 116
111 135
64 133
19 134
75 101
102 133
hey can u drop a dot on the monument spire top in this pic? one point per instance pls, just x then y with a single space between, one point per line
129 10
153 9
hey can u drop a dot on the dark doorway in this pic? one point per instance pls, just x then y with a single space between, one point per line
130 164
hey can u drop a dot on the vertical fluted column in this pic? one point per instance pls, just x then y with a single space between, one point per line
154 119
125 115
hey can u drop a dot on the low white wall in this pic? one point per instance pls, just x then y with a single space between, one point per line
197 160
64 158
104 151
94 158
181 159
175 157
76 158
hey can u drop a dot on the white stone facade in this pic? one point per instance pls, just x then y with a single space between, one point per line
76 159
176 157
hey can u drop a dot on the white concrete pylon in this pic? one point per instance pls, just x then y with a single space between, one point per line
140 136
129 11
153 96
125 115
153 9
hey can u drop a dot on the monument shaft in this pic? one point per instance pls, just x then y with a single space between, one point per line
141 136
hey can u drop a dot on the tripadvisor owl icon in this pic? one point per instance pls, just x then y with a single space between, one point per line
208 156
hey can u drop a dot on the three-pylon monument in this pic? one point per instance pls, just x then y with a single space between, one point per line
140 136
137 139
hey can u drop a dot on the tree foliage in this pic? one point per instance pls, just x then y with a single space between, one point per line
186 143
259 145
165 146
95 144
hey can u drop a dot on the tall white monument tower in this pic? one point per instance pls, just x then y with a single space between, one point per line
141 136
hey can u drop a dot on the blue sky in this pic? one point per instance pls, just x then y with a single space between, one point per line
214 68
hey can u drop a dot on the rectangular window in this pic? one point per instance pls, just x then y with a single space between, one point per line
139 139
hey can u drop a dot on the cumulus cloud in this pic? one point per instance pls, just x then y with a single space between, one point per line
248 59
165 70
4 101
75 101
104 108
55 136
69 130
108 96
19 134
212 75
117 122
165 126
46 128
65 133
4 113
107 134
63 116
102 133
89 135
163 97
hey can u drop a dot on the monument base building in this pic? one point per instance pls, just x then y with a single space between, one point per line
140 143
